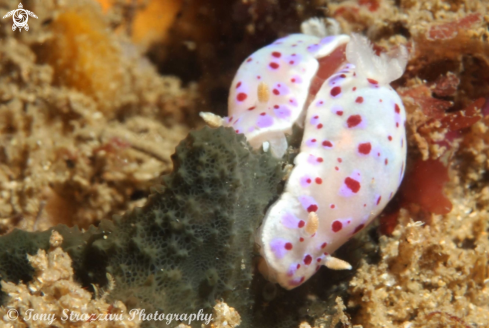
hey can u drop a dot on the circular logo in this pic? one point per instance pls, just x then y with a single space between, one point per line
20 17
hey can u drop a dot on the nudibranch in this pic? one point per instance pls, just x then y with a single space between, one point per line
271 89
353 150
351 162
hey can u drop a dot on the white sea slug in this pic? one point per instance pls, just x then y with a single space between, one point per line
350 164
353 150
271 88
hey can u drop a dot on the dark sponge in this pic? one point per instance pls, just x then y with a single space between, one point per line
192 243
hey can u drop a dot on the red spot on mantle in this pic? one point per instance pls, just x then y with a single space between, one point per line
337 226
364 148
241 96
353 120
335 91
352 184
327 143
274 65
312 208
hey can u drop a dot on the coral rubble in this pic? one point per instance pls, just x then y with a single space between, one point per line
427 275
54 293
225 316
